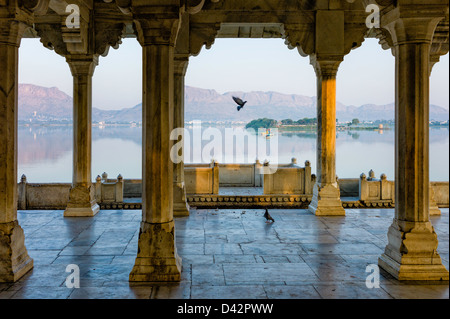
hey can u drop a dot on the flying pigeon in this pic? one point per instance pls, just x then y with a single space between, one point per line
239 102
268 217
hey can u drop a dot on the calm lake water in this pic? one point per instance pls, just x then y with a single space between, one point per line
45 152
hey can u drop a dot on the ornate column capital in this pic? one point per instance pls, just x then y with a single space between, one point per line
11 31
413 23
82 64
326 66
156 31
16 16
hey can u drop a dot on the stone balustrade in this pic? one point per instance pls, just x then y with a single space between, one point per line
380 192
365 192
241 175
289 179
376 190
109 190
202 178
42 195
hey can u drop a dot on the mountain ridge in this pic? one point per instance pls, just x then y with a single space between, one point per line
51 104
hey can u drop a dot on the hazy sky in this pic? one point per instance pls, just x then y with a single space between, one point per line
365 76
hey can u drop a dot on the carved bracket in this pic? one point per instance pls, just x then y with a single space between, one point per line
300 36
51 37
326 66
107 35
202 34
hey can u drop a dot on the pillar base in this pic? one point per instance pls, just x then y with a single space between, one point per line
81 203
157 258
326 201
411 252
180 205
82 211
14 259
413 272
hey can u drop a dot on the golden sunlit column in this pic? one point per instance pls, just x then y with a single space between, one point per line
157 258
326 198
14 258
180 205
82 200
411 253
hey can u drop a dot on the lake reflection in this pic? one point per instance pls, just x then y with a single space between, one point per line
45 152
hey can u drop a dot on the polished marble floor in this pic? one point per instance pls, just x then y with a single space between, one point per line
226 254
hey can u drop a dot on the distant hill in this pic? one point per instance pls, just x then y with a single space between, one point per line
47 104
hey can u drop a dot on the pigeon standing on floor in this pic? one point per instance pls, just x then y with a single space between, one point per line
239 102
268 217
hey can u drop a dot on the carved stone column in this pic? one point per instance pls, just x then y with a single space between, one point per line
157 258
326 195
412 242
82 194
14 258
180 205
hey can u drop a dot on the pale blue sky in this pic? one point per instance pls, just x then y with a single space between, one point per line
365 76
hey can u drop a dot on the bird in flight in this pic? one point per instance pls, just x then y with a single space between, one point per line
268 217
239 102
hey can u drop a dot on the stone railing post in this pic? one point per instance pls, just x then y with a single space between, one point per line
308 185
119 189
98 188
386 188
258 176
22 195
363 187
215 181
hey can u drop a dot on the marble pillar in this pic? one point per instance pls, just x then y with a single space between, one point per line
157 258
14 258
326 199
411 252
180 205
82 200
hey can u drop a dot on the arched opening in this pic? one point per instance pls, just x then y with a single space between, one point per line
366 112
117 112
45 112
367 146
276 82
